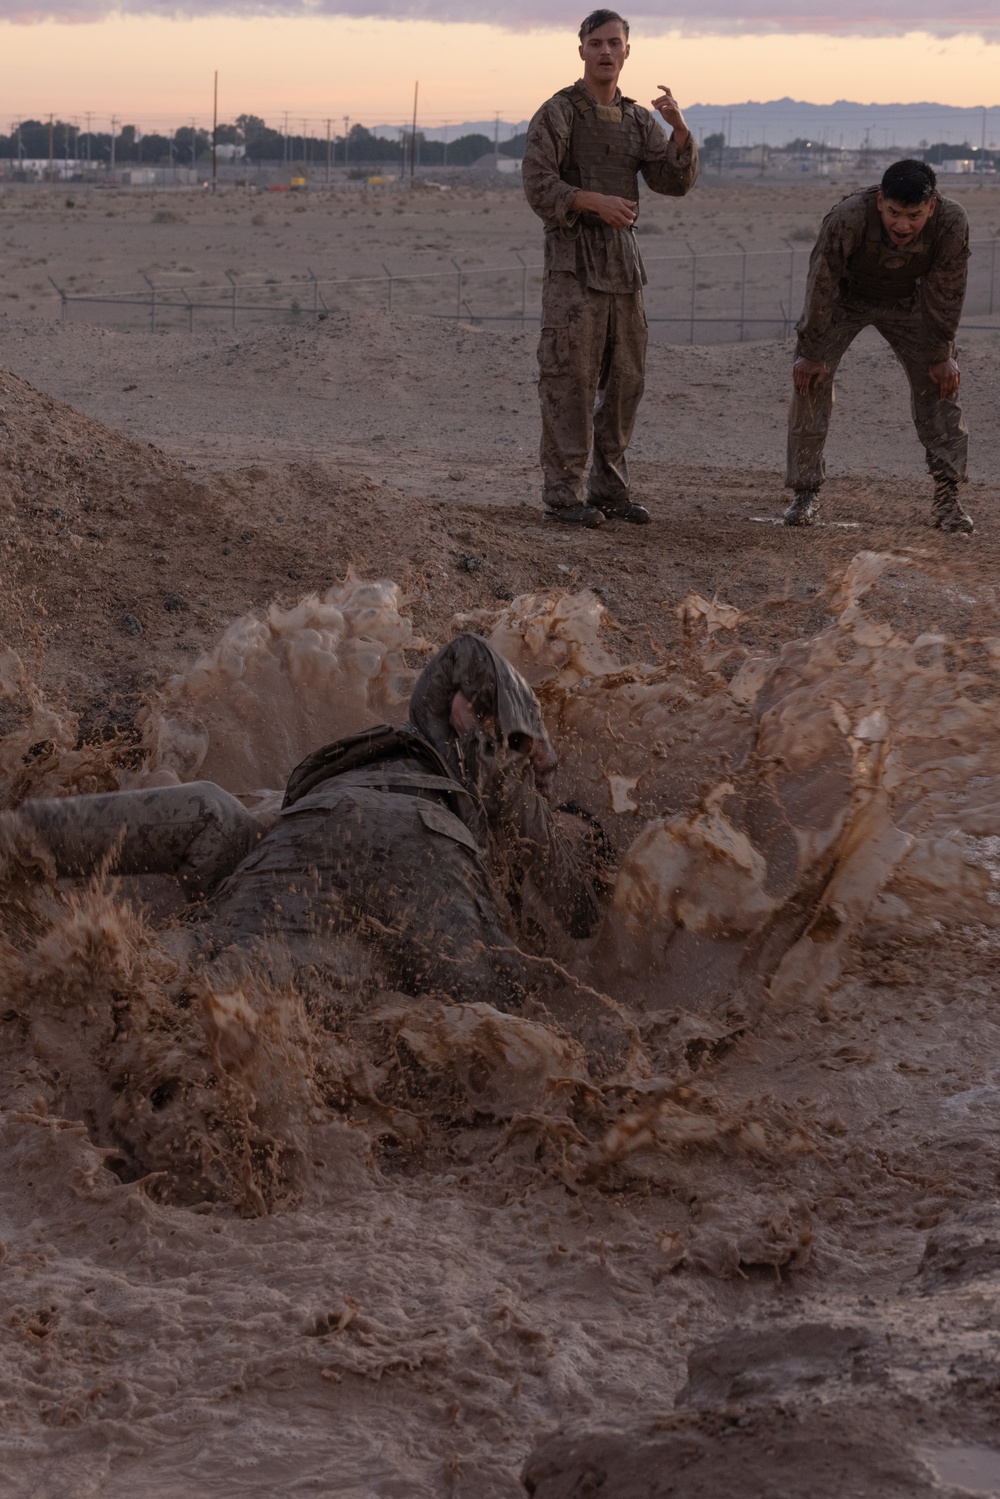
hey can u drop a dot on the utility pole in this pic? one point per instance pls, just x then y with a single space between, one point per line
347 121
328 124
496 142
90 116
444 161
114 122
51 160
284 142
215 127
413 138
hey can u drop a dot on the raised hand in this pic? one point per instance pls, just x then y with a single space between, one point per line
667 107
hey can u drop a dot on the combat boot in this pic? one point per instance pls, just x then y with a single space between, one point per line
804 508
576 515
628 510
948 512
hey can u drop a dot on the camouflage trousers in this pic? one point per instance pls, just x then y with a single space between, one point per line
591 361
939 423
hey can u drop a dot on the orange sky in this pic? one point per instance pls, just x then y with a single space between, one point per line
153 71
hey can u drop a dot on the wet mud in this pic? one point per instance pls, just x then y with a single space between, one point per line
262 1232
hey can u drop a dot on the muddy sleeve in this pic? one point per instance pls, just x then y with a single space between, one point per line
942 291
664 167
840 235
197 832
527 837
544 153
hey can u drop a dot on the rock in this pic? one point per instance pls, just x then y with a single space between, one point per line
175 603
747 1364
962 1250
818 1455
130 625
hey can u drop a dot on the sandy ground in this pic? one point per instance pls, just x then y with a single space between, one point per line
791 1286
102 242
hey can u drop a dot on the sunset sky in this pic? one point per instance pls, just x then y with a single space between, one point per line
152 63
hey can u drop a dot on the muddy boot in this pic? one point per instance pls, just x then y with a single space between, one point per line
804 508
576 515
638 515
948 512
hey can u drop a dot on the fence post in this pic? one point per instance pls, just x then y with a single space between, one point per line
232 281
389 274
315 283
458 298
190 311
791 287
62 301
524 287
743 284
993 270
152 302
694 289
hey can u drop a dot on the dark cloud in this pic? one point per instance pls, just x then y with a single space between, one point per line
885 17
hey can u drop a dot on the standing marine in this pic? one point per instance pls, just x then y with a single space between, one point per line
585 150
894 258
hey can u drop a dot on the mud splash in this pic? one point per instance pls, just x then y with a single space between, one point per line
859 788
428 1195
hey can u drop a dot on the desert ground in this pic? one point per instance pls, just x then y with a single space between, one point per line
244 1253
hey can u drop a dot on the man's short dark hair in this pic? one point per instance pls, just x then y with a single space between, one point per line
909 182
601 18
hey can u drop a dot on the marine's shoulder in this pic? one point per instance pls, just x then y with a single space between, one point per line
851 209
560 105
951 215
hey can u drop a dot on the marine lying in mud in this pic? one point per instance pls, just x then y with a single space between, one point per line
399 855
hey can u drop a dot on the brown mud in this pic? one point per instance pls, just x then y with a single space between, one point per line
401 1248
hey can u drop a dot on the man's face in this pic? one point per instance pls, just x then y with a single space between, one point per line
904 221
604 51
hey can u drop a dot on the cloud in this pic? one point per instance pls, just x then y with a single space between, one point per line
852 17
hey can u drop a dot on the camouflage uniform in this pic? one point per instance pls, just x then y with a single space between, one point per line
913 295
385 846
592 350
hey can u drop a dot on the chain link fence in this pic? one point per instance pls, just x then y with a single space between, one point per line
700 297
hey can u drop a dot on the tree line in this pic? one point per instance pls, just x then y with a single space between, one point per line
37 140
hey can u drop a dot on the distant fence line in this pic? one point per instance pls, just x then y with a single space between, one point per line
714 296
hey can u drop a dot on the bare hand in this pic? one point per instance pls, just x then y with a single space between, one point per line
947 377
808 373
620 213
667 107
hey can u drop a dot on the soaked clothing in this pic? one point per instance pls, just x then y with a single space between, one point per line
377 855
390 859
196 832
912 295
469 664
592 349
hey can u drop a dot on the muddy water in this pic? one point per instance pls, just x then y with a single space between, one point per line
246 1251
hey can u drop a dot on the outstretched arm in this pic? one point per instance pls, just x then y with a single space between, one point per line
197 832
